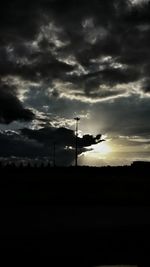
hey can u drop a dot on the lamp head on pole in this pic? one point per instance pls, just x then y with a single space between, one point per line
77 119
76 141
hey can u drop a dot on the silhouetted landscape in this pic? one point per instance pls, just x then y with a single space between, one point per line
75 133
76 216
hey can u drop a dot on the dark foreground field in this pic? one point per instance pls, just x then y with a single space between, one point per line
75 216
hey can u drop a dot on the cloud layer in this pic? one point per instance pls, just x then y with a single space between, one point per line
59 58
93 47
39 143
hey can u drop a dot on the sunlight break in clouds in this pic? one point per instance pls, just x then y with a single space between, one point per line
139 2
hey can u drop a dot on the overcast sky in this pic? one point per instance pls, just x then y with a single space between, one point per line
63 58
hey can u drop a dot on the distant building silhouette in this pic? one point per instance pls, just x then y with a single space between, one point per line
139 163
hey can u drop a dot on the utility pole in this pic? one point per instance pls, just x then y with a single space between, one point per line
76 142
54 154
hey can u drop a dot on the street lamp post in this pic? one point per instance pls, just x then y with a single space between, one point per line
54 154
76 142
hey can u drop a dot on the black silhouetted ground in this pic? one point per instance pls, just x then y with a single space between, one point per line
75 216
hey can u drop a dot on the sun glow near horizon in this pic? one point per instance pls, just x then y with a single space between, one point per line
97 154
102 149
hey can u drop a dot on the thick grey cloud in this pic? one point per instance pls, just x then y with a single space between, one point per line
10 107
39 38
39 143
64 140
13 145
61 136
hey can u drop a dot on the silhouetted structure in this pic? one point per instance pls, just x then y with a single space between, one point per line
140 164
54 154
76 142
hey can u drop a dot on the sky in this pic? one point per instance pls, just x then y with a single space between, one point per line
65 58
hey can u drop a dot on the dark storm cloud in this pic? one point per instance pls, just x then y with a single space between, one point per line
18 20
64 140
39 143
26 19
146 85
11 108
37 37
61 136
109 77
12 144
40 65
16 145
